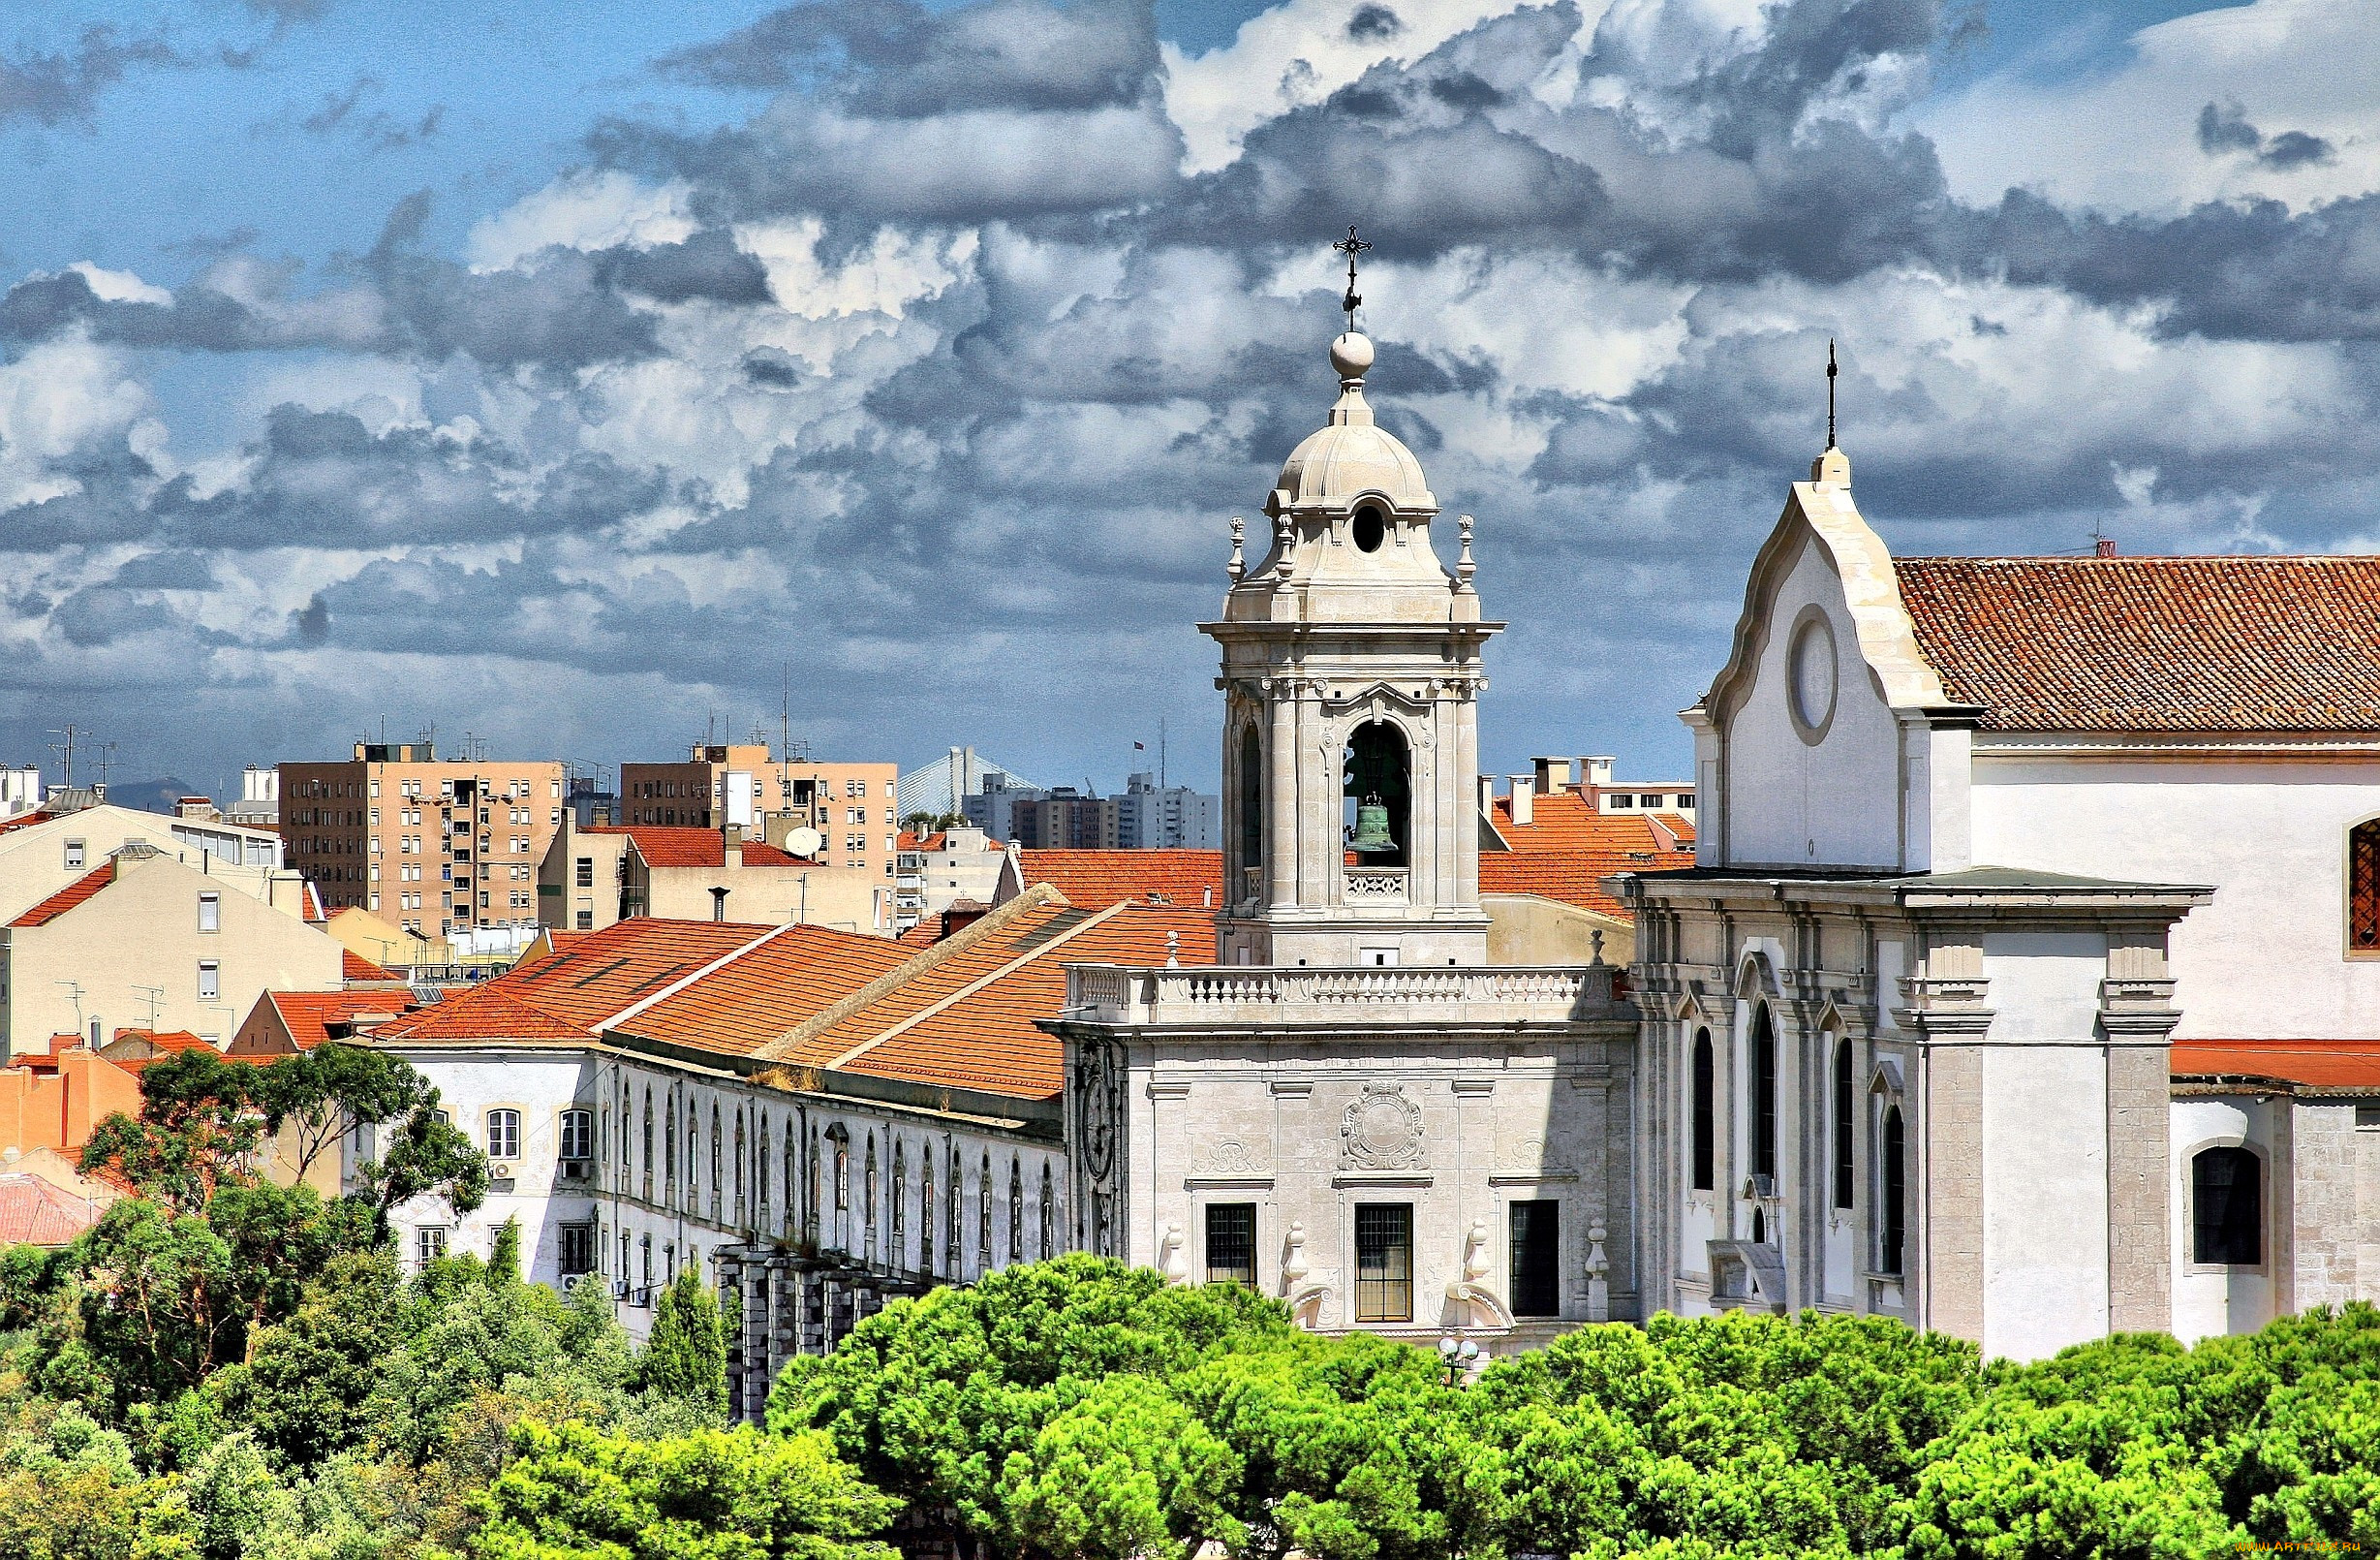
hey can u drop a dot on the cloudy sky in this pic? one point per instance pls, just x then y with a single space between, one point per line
572 374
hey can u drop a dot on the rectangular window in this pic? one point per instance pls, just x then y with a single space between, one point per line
1231 1243
74 856
1536 1258
586 871
586 921
1384 1261
210 912
210 980
577 1249
429 1244
504 1135
577 1134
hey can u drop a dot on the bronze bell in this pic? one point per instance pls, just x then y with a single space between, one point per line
1371 836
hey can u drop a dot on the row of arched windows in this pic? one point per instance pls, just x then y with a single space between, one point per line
1761 1104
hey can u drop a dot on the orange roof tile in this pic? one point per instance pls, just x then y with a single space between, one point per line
354 966
309 1016
2205 643
1567 848
580 987
2322 1064
677 845
1563 822
1097 879
967 1018
767 989
68 897
37 1212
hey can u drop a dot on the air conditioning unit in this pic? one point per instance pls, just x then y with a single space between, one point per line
619 1289
643 1300
577 1169
503 1170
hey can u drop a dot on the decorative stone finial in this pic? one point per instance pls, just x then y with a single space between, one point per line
1173 949
1237 568
1597 938
1465 567
1351 355
1832 467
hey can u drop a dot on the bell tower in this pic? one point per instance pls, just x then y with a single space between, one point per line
1352 676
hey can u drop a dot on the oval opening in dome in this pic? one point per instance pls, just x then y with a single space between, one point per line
1370 529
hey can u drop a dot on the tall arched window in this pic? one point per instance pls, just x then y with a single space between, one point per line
2363 888
1377 769
1049 1214
1764 1093
1016 1209
1251 801
899 1203
739 1167
1845 1100
717 1139
648 1142
1705 1126
2226 1207
793 1175
925 1209
984 1218
810 1192
760 1163
627 1158
669 1149
951 1216
1896 1194
866 1201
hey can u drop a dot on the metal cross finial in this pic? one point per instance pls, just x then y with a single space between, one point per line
1350 246
1830 392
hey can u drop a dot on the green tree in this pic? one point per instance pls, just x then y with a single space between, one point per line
686 1354
302 1390
573 1492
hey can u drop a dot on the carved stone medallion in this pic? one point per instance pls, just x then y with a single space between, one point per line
1381 1130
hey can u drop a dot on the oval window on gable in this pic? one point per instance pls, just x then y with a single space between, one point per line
1812 671
1370 529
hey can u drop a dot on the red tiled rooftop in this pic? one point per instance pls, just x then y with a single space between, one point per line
2321 1064
581 986
2200 644
37 1212
1563 822
677 845
308 1015
767 989
354 966
1094 880
68 897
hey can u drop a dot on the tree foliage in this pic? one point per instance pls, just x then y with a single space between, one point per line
685 1356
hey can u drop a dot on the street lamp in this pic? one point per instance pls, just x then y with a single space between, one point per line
1458 1356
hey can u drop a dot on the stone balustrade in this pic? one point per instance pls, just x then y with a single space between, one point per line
1229 994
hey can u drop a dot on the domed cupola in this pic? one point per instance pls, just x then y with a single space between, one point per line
1352 457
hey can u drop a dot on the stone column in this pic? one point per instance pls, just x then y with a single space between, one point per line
2138 1015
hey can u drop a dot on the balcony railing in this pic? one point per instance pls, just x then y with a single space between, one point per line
1375 884
1227 994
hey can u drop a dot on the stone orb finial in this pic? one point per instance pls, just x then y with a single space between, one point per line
1352 355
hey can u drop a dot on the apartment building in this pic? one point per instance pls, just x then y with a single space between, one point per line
438 847
854 805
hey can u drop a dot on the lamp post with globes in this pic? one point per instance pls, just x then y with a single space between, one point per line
1459 1356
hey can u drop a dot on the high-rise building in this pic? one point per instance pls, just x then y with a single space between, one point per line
1066 820
437 846
852 805
1167 818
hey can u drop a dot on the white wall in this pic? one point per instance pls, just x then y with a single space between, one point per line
2266 959
2045 1190
1790 803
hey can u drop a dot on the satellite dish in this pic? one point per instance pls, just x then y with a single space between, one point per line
804 841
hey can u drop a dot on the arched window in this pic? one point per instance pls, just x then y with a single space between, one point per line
1251 801
793 1178
627 1160
1845 1099
2226 1207
951 1216
1049 1214
739 1167
1896 1192
693 1159
925 1209
843 1169
2363 888
984 1218
1376 766
899 1203
1764 1093
1016 1209
1705 1126
648 1142
866 1201
716 1137
810 1192
669 1149
760 1162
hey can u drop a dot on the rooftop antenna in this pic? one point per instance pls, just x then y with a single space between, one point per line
1351 246
156 995
784 712
65 749
107 763
1831 371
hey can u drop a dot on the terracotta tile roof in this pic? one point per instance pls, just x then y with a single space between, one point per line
309 1016
2154 643
24 820
2322 1064
677 845
37 1212
1567 848
68 897
1563 822
354 966
925 934
767 989
1094 880
920 842
580 987
966 1018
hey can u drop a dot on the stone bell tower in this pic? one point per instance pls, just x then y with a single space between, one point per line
1351 677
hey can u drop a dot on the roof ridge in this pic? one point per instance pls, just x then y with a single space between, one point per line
683 981
1094 919
934 958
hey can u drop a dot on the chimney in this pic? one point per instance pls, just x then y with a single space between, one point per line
730 848
2107 547
1524 798
602 816
963 914
1487 795
718 903
1553 776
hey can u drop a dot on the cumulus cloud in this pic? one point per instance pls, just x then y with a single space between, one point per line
932 372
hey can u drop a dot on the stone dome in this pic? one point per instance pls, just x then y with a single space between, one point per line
1351 455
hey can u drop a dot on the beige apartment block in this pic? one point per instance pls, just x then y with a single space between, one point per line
142 941
852 805
42 852
435 846
593 878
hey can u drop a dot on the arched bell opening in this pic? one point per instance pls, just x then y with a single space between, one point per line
1379 796
1251 803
